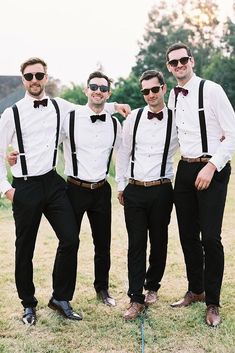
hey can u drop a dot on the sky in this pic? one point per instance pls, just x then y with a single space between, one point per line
74 36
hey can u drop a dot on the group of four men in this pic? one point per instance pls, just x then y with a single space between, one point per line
199 118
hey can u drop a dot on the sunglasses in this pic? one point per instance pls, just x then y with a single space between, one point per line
94 87
146 91
38 75
183 61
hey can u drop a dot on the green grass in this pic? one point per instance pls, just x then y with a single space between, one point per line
166 330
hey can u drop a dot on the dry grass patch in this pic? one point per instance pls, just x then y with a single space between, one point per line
166 330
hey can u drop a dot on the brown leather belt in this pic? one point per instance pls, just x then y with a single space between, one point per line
196 160
149 183
86 185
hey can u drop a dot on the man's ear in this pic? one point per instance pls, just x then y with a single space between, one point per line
168 67
85 90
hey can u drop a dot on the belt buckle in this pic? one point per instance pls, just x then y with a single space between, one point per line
146 184
93 186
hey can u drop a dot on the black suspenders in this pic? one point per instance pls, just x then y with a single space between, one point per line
73 146
72 143
140 111
57 131
167 142
202 118
114 139
201 114
20 139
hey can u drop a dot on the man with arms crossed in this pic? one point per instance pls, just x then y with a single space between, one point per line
205 123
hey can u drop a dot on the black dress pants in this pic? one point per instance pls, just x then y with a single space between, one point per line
147 210
200 216
45 194
97 204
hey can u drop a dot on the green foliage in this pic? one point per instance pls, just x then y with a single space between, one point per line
220 70
128 91
75 94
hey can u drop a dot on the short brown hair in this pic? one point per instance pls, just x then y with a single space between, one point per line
99 74
147 75
177 46
33 61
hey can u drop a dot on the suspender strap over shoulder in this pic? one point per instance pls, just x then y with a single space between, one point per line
57 131
72 143
20 141
140 111
114 139
202 118
167 143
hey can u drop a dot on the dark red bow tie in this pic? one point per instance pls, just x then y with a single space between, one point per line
178 89
37 103
159 115
98 117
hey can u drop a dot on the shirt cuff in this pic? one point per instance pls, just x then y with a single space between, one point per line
218 163
122 185
4 187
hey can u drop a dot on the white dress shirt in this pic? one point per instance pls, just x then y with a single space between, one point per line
93 143
219 117
38 126
149 148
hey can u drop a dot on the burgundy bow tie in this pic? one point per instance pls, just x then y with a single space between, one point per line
98 117
37 103
178 89
159 115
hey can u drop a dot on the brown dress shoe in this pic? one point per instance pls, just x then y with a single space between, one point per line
151 297
212 315
133 311
188 299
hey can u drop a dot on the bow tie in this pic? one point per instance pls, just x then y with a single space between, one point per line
37 103
98 117
178 89
159 115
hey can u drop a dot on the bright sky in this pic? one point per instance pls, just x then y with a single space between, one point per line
73 36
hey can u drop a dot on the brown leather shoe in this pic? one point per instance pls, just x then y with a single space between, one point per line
188 299
133 311
212 315
151 297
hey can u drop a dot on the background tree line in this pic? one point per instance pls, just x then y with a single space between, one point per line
194 22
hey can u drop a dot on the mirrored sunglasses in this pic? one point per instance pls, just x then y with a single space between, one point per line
38 75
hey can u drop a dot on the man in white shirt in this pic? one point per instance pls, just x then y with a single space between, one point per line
205 123
91 134
32 126
144 173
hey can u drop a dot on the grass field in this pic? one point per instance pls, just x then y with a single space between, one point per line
165 330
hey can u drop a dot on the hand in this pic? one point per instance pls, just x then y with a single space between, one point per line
120 198
10 194
123 109
12 158
204 176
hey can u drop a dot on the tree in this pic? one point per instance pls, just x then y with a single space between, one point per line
195 23
75 94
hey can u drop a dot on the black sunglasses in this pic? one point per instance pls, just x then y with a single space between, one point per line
38 75
183 61
146 91
94 87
